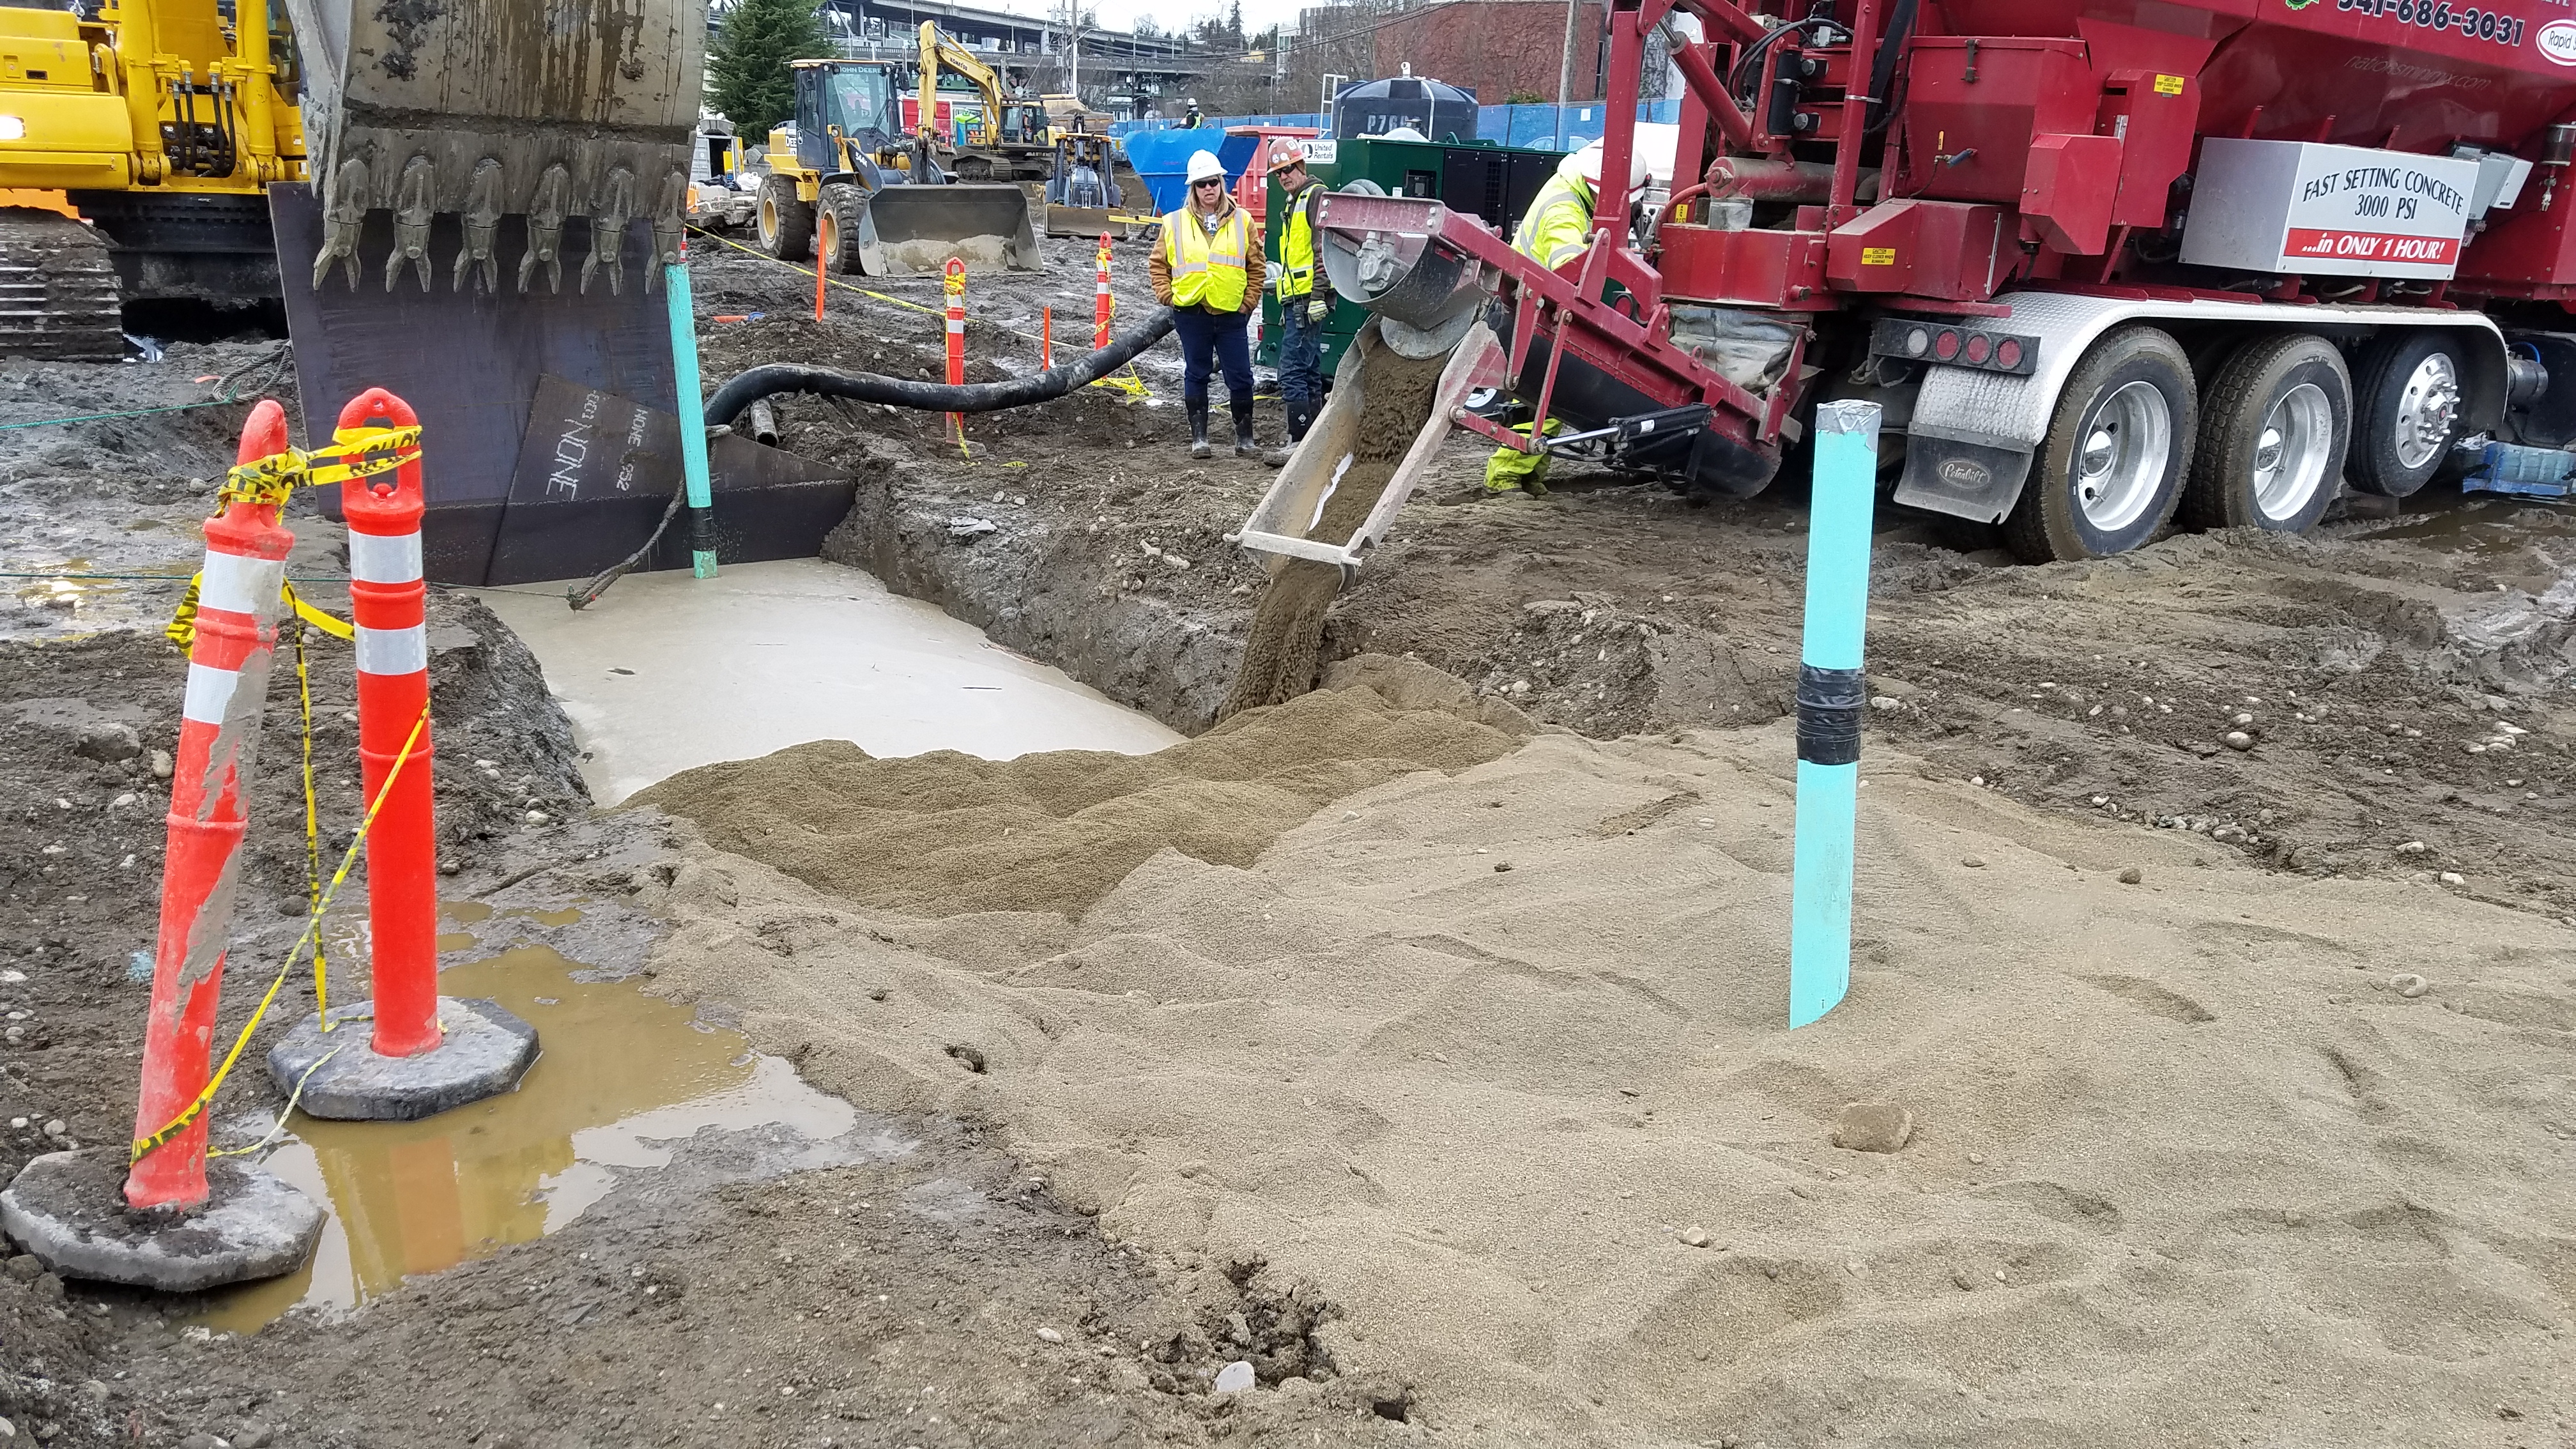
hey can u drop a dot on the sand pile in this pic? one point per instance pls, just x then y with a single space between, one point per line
1280 649
1495 1061
937 834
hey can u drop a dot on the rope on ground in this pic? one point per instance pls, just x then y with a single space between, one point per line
312 935
226 394
1130 384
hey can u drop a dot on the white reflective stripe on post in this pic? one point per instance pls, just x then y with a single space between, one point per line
239 585
393 651
956 324
376 558
210 693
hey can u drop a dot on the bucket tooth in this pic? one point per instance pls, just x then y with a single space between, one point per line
670 221
343 213
413 200
546 216
608 231
482 220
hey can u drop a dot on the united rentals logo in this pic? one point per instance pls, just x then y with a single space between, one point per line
2301 4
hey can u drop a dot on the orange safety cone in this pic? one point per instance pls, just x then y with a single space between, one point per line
1100 299
386 603
219 721
955 285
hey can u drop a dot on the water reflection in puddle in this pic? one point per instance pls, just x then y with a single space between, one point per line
620 1073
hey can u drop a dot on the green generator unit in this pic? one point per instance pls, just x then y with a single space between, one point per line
1493 182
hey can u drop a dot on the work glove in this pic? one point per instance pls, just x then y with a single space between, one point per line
1316 309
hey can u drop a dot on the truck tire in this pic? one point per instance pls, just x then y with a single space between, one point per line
2408 396
2274 428
786 224
838 213
2118 448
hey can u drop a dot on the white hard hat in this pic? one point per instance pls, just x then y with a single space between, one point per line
1586 163
1203 164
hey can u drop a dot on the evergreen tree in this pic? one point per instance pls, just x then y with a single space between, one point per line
747 78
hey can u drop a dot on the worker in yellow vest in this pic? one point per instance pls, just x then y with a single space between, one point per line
1208 270
1556 232
1305 298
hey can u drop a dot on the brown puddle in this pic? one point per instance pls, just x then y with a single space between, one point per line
621 1071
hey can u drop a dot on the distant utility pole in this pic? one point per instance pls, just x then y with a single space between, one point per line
1565 71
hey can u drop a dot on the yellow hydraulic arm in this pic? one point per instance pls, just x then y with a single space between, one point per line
938 50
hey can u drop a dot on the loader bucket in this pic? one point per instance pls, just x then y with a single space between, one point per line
912 231
1078 220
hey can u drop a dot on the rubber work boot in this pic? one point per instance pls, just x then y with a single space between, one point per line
1241 406
1198 407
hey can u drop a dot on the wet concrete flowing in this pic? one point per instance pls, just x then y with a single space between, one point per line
669 672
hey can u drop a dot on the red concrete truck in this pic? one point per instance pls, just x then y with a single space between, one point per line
2108 265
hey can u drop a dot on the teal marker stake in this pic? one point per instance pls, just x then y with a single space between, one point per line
693 428
1831 693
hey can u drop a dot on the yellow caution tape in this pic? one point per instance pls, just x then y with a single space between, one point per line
182 629
355 453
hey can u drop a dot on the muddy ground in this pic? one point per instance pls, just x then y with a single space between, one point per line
2401 678
2394 679
894 1301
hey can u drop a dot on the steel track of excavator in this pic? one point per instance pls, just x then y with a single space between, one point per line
58 290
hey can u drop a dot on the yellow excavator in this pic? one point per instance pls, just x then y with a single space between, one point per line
1005 140
164 122
161 122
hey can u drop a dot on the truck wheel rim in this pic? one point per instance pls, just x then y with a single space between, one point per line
827 239
768 221
2291 450
2425 410
2121 460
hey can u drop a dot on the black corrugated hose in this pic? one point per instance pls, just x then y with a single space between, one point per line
743 389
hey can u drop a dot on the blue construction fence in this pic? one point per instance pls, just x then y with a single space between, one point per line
1508 125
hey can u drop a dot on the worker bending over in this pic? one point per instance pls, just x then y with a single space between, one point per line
1303 302
1556 232
1209 273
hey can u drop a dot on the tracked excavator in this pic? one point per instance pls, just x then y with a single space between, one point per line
161 122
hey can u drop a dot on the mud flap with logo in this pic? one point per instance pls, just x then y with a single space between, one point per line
1975 481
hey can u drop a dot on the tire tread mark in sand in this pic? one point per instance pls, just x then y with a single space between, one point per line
2360 1083
2155 1000
1445 944
1281 653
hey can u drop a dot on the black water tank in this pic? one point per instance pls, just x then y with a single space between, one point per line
1440 112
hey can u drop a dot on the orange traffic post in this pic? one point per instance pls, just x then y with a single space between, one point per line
387 600
818 286
219 722
1046 337
1100 299
955 285
157 1213
425 1053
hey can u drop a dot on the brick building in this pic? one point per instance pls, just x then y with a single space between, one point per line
1496 48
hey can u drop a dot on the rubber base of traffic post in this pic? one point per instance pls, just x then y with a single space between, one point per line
485 1052
68 1209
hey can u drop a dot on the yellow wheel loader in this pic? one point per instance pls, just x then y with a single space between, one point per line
161 122
844 184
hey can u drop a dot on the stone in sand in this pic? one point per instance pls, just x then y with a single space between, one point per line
1873 1127
1234 1378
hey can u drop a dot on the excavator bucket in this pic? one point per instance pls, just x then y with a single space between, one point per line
912 231
576 116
